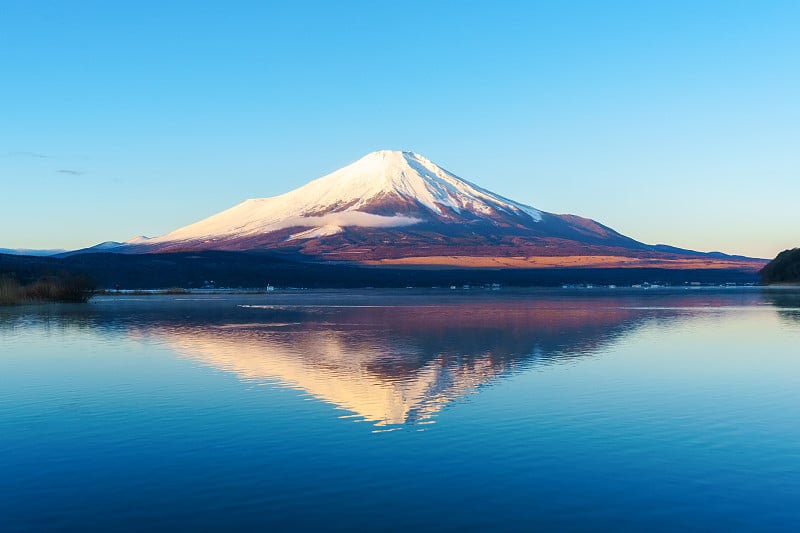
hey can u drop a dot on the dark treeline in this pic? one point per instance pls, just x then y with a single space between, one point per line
251 270
785 268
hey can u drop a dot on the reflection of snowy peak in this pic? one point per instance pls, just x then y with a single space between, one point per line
385 189
392 364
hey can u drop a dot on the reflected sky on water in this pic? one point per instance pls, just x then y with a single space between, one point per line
559 409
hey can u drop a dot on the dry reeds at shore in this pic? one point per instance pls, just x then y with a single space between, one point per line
51 289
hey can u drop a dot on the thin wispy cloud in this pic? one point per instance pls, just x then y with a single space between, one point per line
70 172
35 155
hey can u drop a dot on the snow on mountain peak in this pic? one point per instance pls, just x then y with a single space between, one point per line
390 179
417 178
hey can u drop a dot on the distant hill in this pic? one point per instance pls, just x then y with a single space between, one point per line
28 251
785 268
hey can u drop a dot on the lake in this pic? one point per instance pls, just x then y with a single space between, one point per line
569 409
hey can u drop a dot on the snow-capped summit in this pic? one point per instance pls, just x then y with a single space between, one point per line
383 189
410 177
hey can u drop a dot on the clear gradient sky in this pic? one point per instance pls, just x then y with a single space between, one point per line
672 122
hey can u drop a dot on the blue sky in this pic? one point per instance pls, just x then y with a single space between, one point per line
672 122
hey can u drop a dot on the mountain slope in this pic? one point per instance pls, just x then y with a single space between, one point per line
392 206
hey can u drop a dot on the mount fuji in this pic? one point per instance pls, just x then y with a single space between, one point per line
393 207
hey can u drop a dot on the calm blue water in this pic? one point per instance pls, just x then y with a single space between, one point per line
432 410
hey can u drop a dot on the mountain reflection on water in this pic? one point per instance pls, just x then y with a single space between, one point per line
399 363
387 357
395 365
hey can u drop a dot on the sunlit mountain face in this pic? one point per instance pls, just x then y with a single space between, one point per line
395 366
400 208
